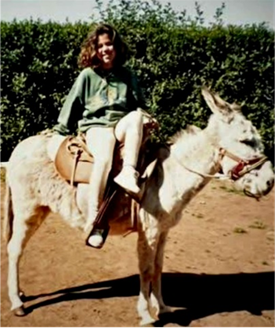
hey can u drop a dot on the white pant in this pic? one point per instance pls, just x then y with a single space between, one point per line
101 143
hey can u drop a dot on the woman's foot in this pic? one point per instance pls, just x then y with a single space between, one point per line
127 179
96 239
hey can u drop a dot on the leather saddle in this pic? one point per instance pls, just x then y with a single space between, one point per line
74 163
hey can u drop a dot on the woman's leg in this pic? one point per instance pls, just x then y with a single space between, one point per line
101 143
129 130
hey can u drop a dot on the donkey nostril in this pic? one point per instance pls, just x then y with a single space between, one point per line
270 183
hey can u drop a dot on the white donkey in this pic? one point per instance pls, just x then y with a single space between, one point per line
229 143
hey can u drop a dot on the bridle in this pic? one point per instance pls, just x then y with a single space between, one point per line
243 166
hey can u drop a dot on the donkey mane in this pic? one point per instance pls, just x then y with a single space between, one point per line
191 143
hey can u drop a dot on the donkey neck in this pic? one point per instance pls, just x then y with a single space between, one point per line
197 151
172 185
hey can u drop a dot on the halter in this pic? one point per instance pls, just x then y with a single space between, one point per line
243 166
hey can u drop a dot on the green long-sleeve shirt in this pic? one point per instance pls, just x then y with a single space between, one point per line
98 100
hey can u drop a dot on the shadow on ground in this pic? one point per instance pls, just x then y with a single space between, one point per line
196 295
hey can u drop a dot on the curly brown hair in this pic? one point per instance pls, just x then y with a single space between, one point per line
88 56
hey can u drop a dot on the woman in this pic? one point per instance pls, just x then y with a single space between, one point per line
103 103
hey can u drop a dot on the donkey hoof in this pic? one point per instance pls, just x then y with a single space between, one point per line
22 296
19 311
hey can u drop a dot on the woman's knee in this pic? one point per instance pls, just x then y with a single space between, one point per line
135 118
132 121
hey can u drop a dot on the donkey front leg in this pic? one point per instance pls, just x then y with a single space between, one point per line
147 246
156 294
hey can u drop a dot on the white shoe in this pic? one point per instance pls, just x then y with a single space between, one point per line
127 179
96 240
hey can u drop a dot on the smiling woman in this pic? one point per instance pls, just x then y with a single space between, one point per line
104 103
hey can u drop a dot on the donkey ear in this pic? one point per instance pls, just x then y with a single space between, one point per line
236 107
216 104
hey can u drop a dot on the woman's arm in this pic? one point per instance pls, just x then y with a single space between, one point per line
72 109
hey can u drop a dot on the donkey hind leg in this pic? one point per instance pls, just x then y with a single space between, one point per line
25 223
147 246
156 294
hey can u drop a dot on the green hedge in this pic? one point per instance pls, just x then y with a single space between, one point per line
172 55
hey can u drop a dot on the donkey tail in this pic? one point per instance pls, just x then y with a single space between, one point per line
8 214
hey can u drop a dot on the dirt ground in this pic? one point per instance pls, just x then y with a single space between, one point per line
218 270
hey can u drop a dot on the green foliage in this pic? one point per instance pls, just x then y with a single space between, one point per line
38 64
172 54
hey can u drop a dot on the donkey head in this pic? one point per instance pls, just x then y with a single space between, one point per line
240 146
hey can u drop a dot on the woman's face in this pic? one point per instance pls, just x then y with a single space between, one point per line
105 51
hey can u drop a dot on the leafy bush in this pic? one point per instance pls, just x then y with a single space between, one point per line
172 55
